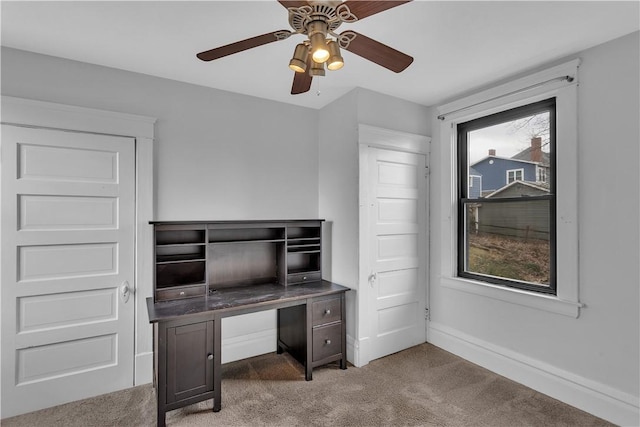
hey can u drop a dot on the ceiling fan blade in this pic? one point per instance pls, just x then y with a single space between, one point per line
301 83
219 52
292 3
364 8
379 53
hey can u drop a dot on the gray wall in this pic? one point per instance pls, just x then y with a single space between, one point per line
600 348
218 155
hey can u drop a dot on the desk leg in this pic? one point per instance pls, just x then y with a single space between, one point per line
343 361
160 352
308 365
279 349
217 364
161 422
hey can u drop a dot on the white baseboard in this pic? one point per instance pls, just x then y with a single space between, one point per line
143 368
358 351
352 351
590 396
248 345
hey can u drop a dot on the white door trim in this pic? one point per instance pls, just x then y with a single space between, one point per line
41 114
371 136
393 140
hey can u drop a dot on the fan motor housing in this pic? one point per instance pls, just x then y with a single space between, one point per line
300 18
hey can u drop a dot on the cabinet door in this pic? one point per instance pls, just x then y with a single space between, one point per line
189 360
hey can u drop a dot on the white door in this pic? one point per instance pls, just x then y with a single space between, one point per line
67 266
397 193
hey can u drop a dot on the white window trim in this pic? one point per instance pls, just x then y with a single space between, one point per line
541 174
526 90
515 171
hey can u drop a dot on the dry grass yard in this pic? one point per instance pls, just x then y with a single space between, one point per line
509 257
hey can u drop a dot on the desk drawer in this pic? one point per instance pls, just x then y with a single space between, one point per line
302 277
327 311
179 293
327 341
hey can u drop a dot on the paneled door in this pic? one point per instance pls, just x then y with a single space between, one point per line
67 266
397 237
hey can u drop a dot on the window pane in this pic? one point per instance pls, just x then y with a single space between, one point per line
506 204
516 150
509 239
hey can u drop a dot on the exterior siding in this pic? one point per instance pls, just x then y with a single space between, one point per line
494 174
475 189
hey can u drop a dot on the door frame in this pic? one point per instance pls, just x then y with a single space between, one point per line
48 115
387 139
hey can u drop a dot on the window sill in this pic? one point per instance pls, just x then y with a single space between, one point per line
548 303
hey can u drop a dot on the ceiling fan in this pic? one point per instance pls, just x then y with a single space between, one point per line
318 20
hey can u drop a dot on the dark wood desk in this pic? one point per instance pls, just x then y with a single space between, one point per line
187 339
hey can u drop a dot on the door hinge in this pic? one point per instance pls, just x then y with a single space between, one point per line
427 315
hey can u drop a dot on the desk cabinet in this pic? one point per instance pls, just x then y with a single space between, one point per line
189 360
314 333
184 362
327 329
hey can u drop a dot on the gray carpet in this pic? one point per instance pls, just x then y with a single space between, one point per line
423 386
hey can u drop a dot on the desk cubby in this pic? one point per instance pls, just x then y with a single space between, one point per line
303 253
180 258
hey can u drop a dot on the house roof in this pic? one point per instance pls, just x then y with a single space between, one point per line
525 155
540 187
503 158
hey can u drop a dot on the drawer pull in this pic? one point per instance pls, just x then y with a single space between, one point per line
210 356
304 277
327 342
182 293
327 311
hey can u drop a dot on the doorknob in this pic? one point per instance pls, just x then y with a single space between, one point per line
125 292
372 278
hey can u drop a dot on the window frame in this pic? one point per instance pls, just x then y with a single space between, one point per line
463 197
522 90
515 177
542 174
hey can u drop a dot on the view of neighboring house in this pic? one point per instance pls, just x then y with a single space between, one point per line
489 176
524 175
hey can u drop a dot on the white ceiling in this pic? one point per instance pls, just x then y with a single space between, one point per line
457 46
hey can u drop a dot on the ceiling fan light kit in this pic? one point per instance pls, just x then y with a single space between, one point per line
335 61
299 61
318 20
317 31
317 68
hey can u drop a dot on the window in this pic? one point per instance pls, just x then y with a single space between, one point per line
514 175
542 174
507 231
559 82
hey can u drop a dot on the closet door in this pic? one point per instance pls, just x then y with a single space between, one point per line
397 239
67 266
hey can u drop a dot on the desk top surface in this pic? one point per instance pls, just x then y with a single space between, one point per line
231 300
